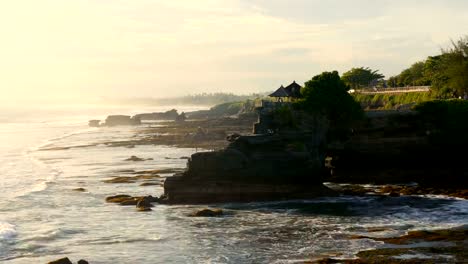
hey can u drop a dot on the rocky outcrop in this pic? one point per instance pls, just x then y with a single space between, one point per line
67 261
398 148
168 115
122 120
94 123
135 158
61 261
253 168
206 212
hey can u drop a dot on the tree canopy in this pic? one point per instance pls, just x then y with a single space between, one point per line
361 77
327 93
446 73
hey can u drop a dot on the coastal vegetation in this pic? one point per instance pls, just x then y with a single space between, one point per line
446 73
361 77
390 101
327 93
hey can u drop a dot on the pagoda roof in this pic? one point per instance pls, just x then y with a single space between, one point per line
294 90
280 92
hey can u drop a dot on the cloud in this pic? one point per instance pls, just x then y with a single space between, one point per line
58 49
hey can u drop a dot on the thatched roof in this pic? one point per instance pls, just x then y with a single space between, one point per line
280 92
294 90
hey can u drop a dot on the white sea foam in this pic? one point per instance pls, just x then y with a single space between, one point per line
7 231
49 142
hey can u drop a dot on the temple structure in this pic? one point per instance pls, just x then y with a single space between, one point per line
290 92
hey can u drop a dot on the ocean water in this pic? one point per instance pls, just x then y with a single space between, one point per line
42 218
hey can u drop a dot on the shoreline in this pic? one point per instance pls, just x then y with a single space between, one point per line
185 137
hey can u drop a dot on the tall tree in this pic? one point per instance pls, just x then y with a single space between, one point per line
361 77
327 93
456 66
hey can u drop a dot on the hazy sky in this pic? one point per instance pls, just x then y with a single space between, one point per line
79 49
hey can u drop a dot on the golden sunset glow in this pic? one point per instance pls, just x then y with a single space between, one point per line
79 50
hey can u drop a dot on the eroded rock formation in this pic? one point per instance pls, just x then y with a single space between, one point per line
253 168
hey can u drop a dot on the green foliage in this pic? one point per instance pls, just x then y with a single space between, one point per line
225 109
231 108
455 67
284 117
361 77
448 118
413 76
446 73
390 101
327 94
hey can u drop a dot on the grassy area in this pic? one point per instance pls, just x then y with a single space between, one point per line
391 101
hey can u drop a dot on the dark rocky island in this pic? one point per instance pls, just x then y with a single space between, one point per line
121 120
291 152
252 168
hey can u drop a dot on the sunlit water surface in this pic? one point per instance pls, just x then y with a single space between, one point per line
42 218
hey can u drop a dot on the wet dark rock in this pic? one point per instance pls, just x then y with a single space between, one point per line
117 198
252 168
138 201
79 189
181 118
144 209
129 202
151 184
134 158
124 179
206 212
394 194
144 202
233 137
94 123
168 115
158 171
82 261
61 261
122 120
455 252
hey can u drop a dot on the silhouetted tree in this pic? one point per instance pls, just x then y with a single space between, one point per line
328 94
361 77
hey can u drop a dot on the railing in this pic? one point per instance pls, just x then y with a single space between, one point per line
407 89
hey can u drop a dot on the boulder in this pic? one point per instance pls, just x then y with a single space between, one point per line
123 179
181 118
122 120
82 261
143 209
144 202
206 212
117 198
134 158
150 184
168 115
129 202
61 261
94 123
233 137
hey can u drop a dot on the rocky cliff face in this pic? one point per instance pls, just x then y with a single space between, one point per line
168 115
121 120
252 168
398 148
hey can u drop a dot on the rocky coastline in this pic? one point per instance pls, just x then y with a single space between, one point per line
390 150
